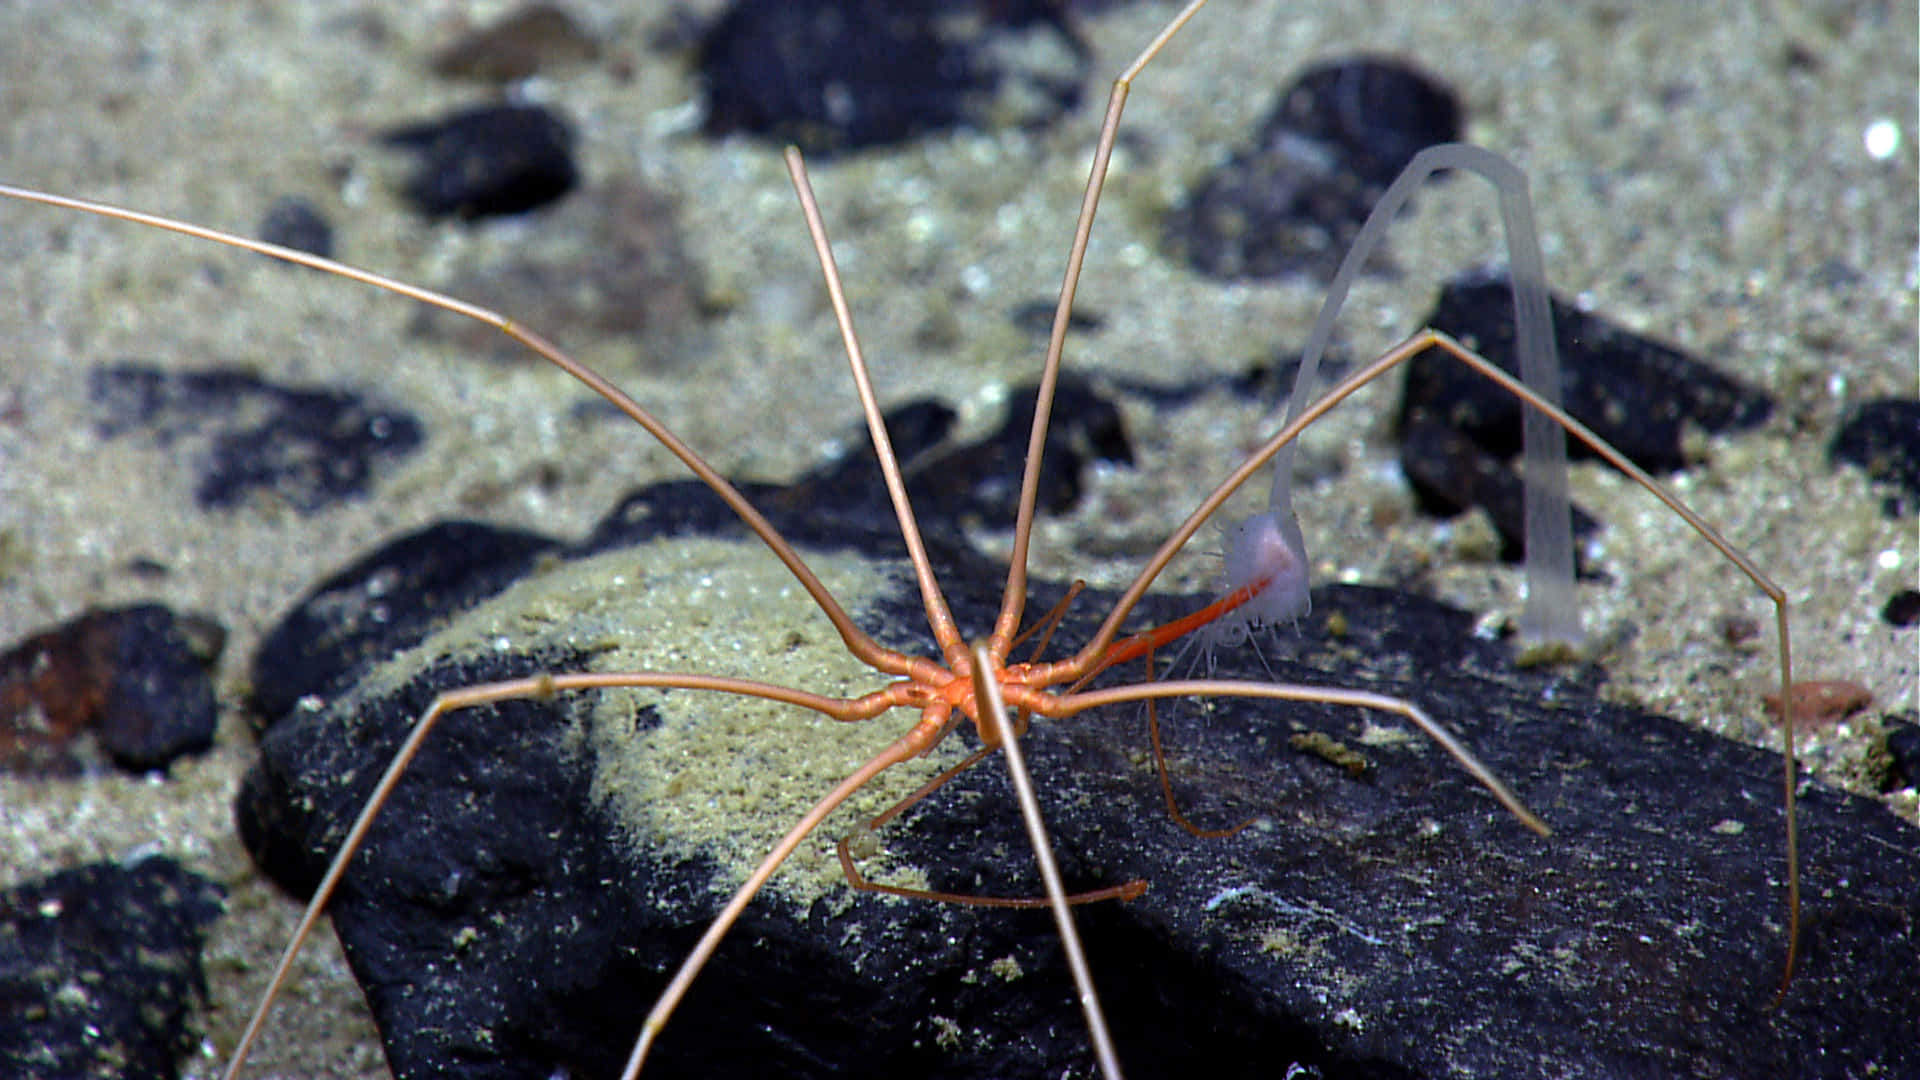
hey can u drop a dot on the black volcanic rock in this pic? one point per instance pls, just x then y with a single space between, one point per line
250 439
100 971
488 160
1883 437
1292 198
134 684
833 76
505 922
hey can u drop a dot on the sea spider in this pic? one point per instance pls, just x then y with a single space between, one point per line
270 596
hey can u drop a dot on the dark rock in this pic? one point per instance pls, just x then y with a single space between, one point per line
488 160
296 223
1291 201
136 680
609 260
839 75
518 45
842 505
354 617
839 506
1036 318
1903 748
1883 437
1449 473
1375 112
1634 392
1903 608
504 924
1458 429
100 971
978 482
309 447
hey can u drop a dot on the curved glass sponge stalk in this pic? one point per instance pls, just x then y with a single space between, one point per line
1552 613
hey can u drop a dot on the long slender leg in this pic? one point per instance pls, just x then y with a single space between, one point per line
912 743
536 687
844 850
994 709
1094 654
1014 599
856 639
1089 699
939 616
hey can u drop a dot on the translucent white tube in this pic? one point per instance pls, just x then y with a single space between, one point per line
1552 611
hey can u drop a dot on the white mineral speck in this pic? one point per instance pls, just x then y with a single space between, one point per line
1882 139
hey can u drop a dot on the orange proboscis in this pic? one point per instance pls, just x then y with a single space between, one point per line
1134 646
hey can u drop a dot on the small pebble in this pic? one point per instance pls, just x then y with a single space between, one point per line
1903 750
1740 632
1883 437
1035 317
134 679
1821 702
833 76
488 161
523 43
296 223
1903 608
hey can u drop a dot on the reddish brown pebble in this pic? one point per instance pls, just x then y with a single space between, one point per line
1822 701
135 678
